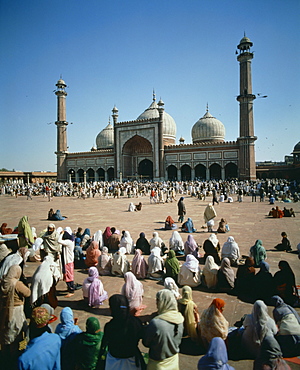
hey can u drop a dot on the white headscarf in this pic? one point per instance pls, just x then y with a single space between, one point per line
127 242
176 241
170 284
214 240
155 241
192 263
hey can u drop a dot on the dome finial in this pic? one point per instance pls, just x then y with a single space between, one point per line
207 107
154 96
109 119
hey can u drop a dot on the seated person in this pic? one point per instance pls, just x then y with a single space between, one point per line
272 199
120 265
50 214
216 356
170 223
189 311
231 250
138 207
155 264
57 216
285 244
131 207
113 240
188 226
225 276
222 226
190 272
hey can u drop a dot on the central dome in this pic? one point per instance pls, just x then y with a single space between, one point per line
105 138
208 128
169 125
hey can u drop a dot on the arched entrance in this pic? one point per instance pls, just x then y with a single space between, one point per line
231 171
101 174
200 172
80 175
133 151
215 171
110 174
186 173
145 169
172 173
90 175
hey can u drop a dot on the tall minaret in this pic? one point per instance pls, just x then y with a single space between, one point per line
61 123
247 167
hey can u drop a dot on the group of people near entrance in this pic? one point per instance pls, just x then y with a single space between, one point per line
177 315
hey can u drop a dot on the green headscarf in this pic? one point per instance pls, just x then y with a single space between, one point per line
25 233
172 265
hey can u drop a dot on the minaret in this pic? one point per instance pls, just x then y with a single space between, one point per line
161 140
247 167
61 123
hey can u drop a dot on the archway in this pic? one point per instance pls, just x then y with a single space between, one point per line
215 171
110 174
231 171
200 172
80 175
172 173
186 173
145 169
101 174
133 149
90 175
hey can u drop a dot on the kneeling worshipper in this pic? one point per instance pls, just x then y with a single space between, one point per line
170 224
155 264
213 323
263 283
216 357
172 266
92 254
190 246
258 253
288 321
244 282
120 265
134 291
43 283
18 258
156 241
43 351
25 233
190 272
212 248
104 262
210 273
176 243
164 332
121 335
257 325
86 345
285 283
139 266
189 311
222 226
13 323
231 250
170 284
93 291
143 244
225 276
127 242
188 226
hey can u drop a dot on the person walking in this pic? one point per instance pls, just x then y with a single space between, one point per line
181 209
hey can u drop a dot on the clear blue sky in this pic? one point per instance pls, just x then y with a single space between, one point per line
115 52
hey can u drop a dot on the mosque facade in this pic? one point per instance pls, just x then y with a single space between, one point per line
145 148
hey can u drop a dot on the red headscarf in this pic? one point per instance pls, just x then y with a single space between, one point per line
219 303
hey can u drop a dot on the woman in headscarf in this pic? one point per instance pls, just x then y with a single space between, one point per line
57 216
4 252
5 230
120 265
92 254
172 266
188 226
143 244
190 273
98 237
104 262
231 250
181 209
93 290
87 345
126 242
67 328
257 325
114 240
163 334
285 283
209 213
258 253
78 255
121 335
176 243
139 266
225 276
244 282
288 321
189 311
155 264
222 226
44 281
190 246
86 239
18 258
134 291
156 241
107 233
25 233
263 285
213 323
12 318
216 357
131 207
50 214
170 223
212 248
170 284
210 273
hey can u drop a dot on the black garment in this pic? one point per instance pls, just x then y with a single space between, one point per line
284 246
263 286
223 284
210 250
143 244
181 207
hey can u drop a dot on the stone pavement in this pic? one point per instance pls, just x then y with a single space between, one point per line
248 222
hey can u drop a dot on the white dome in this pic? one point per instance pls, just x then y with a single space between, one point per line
105 138
169 125
208 128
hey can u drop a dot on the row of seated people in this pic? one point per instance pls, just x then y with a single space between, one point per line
278 213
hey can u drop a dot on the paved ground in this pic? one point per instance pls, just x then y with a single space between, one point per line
247 221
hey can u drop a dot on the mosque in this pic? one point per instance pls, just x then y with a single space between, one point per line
145 148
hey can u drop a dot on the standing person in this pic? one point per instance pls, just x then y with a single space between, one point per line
163 334
25 233
50 243
209 213
181 209
121 335
215 196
